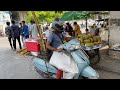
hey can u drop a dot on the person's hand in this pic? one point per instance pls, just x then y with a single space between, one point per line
59 50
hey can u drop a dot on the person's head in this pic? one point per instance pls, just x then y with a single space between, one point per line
97 31
75 23
20 24
23 22
8 23
86 30
12 21
57 25
46 28
67 23
31 21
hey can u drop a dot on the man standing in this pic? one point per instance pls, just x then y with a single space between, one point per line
15 30
33 29
8 33
25 30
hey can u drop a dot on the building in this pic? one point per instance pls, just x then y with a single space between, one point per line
114 27
4 17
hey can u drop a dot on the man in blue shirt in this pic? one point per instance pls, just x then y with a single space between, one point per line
25 30
55 39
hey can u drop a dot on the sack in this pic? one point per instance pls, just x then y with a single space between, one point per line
63 62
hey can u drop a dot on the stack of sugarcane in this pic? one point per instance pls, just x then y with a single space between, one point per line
23 52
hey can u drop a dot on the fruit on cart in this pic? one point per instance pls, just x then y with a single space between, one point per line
98 37
85 37
86 41
82 44
95 43
90 35
79 36
81 40
89 44
95 39
91 40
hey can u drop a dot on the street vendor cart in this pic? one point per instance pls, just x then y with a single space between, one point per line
94 53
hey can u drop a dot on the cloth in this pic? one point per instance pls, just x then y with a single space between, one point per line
10 41
55 40
15 31
77 29
33 30
14 42
8 31
25 30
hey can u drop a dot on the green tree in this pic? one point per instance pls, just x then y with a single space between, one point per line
48 16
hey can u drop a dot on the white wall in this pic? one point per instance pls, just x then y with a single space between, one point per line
114 30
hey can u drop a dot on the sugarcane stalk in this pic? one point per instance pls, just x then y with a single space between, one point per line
39 31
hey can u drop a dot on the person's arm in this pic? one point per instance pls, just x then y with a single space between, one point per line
52 48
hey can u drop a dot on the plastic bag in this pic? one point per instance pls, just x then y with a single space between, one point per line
63 62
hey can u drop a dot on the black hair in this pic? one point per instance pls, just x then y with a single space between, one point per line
86 30
8 23
75 23
12 21
23 21
31 21
97 30
67 23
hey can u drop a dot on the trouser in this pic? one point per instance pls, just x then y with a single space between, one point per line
27 36
59 74
14 42
10 41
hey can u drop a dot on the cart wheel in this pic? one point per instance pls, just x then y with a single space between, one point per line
96 58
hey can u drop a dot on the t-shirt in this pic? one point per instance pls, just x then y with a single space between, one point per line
15 31
55 40
33 29
77 29
8 31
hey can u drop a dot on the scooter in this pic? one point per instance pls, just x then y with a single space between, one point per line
75 50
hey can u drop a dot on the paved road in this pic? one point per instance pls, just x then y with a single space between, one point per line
13 66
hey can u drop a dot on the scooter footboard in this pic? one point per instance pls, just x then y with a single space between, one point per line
90 73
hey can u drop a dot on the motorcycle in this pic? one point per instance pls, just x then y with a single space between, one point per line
74 49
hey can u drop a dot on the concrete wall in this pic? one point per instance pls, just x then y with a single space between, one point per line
114 30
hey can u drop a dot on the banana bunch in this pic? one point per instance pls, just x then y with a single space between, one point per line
23 52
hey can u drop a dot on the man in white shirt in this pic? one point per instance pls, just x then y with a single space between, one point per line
33 29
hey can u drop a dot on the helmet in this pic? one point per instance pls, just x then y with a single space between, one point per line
57 25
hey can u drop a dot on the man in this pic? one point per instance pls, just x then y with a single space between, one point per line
25 30
54 40
33 29
76 29
69 29
8 33
15 30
